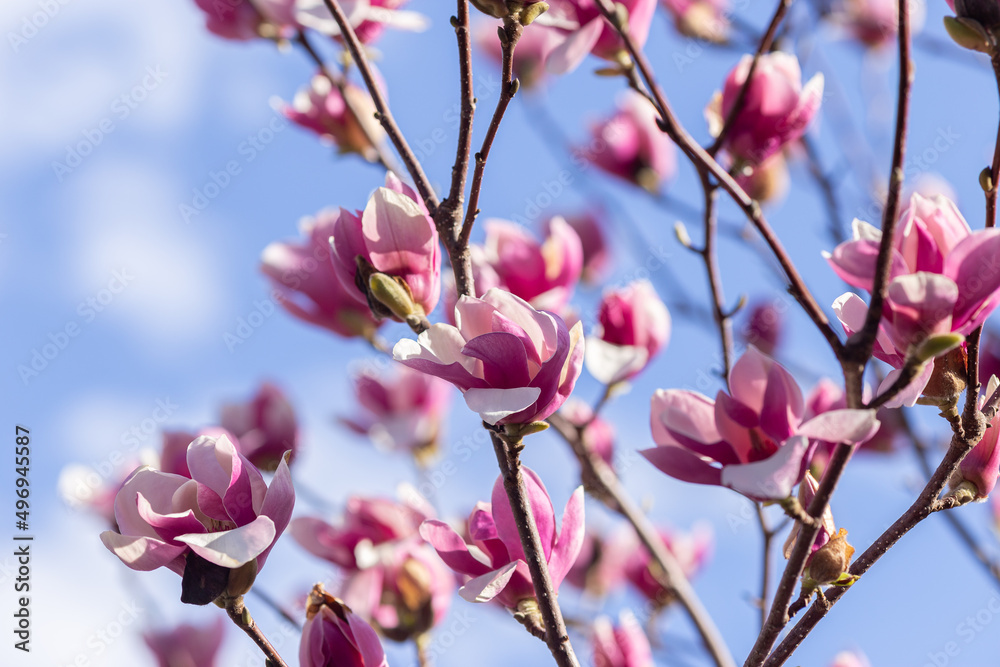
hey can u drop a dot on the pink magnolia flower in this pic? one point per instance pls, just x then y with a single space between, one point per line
173 451
368 17
322 109
622 646
543 274
633 325
401 409
265 427
587 31
533 49
692 551
874 23
597 255
598 436
514 364
307 285
776 110
224 513
599 570
187 645
701 19
334 635
943 278
367 523
237 20
629 145
393 236
753 440
764 326
980 468
495 559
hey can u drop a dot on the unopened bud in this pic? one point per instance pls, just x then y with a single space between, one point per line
831 560
393 293
241 579
947 381
968 34
518 431
532 12
937 345
682 234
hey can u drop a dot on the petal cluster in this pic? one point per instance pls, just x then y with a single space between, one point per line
494 558
754 439
776 109
325 110
513 364
334 635
225 512
186 645
623 646
633 325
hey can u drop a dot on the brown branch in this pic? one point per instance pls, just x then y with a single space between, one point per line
509 34
763 47
603 483
767 533
698 155
384 116
509 459
240 615
991 192
708 254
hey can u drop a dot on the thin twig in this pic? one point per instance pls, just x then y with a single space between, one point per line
710 257
991 193
605 485
556 638
384 116
834 216
240 615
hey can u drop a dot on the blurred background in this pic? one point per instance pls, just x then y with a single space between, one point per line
101 244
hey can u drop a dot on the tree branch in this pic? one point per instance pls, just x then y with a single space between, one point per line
240 615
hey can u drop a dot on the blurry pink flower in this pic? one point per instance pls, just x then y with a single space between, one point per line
874 23
401 409
692 550
334 635
989 355
590 33
495 559
599 570
187 645
764 327
393 236
766 182
265 427
533 49
514 364
827 395
593 240
701 19
776 110
367 523
943 278
322 109
980 468
224 513
237 19
599 436
634 325
543 274
94 488
753 440
631 146
622 646
307 284
368 17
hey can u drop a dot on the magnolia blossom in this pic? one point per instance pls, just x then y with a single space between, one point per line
587 31
875 23
942 278
765 326
597 254
394 236
402 409
827 395
187 645
224 513
238 20
692 551
307 284
776 109
323 109
598 436
631 146
702 19
633 325
623 646
533 49
753 440
513 363
543 274
334 635
265 427
599 570
495 559
980 468
368 17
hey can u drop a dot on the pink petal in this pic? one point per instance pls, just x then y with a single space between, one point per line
496 404
233 548
278 502
683 465
541 509
487 586
974 265
451 548
567 56
850 426
772 478
141 553
570 541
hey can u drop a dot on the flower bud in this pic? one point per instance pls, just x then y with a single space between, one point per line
832 560
393 293
947 381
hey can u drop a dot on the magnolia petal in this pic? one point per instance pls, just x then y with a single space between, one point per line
570 540
567 56
367 642
772 478
850 426
610 363
141 553
495 404
682 464
486 587
452 548
279 501
909 395
541 509
233 548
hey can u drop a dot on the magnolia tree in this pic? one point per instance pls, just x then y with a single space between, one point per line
496 321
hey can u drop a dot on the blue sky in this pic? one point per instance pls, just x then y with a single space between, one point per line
98 258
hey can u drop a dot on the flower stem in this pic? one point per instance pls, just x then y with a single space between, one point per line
240 615
509 459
